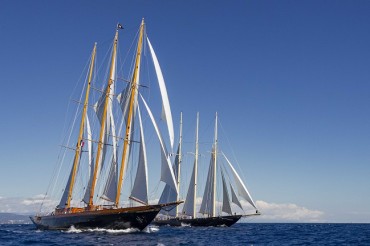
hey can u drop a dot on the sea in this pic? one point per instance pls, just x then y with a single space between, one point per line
238 234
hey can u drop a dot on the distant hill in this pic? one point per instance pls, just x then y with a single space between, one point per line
8 218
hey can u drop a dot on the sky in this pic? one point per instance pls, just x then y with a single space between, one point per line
290 81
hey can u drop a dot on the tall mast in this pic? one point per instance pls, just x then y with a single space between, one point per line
214 172
103 120
80 135
196 165
134 85
179 164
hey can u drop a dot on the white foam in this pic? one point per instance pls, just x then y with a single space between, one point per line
114 231
72 229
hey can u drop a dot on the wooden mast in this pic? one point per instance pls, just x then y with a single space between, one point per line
103 120
196 166
80 135
214 172
134 85
179 167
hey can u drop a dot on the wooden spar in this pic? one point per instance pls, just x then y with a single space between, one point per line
134 85
80 136
103 120
196 167
214 172
179 164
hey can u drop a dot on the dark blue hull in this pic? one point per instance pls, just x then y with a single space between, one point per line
122 218
210 221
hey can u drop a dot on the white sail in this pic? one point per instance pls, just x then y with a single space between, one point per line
140 188
169 194
99 108
234 198
91 160
167 174
165 101
225 199
63 200
188 208
242 190
208 196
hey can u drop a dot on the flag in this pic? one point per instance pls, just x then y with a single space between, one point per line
119 26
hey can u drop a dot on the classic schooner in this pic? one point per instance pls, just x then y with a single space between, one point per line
102 207
188 216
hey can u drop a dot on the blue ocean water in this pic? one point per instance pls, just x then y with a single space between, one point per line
238 234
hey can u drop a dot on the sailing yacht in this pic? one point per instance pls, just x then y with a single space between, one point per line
103 208
188 216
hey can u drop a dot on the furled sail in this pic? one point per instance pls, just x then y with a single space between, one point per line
140 188
188 208
208 197
167 174
162 86
242 190
169 194
225 200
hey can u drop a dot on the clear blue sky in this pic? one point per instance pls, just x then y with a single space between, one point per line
290 80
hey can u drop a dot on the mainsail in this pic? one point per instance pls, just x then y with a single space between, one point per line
208 197
189 206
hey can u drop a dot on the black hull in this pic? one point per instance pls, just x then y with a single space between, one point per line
210 221
137 218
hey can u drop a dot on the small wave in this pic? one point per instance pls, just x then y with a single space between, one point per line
185 225
114 231
73 229
151 229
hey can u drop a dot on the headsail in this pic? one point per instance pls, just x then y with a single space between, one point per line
225 200
242 190
169 194
234 198
165 101
167 174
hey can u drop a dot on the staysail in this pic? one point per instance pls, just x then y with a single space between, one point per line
169 194
167 174
140 188
225 198
242 190
90 148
